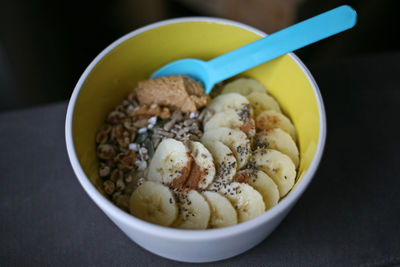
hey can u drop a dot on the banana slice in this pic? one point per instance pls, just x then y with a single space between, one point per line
260 181
262 101
247 201
228 118
234 119
168 161
225 161
222 212
228 101
235 139
204 164
155 203
279 140
243 86
278 166
270 119
194 211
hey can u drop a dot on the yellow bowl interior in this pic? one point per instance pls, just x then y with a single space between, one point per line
136 58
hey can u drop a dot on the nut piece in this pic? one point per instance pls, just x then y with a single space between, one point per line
115 117
121 136
102 135
105 151
128 178
125 161
116 175
129 124
104 170
109 187
120 185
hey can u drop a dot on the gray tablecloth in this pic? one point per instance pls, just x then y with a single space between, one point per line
349 216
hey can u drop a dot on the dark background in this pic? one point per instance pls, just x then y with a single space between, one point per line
349 215
46 45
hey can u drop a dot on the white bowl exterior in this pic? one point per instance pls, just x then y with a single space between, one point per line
193 250
184 245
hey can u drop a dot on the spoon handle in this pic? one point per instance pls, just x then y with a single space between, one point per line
282 42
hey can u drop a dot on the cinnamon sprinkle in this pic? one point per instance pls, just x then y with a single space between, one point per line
248 128
191 177
244 176
196 173
179 182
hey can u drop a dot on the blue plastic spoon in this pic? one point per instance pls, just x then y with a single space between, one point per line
263 50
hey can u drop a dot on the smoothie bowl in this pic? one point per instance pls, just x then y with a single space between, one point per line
168 232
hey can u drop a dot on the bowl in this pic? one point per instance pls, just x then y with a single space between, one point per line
133 57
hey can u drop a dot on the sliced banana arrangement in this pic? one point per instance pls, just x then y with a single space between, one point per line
235 139
154 202
170 158
194 211
242 164
262 101
270 119
228 101
222 212
264 184
225 161
229 119
279 140
247 201
278 166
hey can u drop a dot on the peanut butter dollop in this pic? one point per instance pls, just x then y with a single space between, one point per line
177 92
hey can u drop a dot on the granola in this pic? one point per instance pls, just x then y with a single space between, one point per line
131 133
209 166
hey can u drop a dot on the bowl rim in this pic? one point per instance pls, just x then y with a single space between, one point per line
179 234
